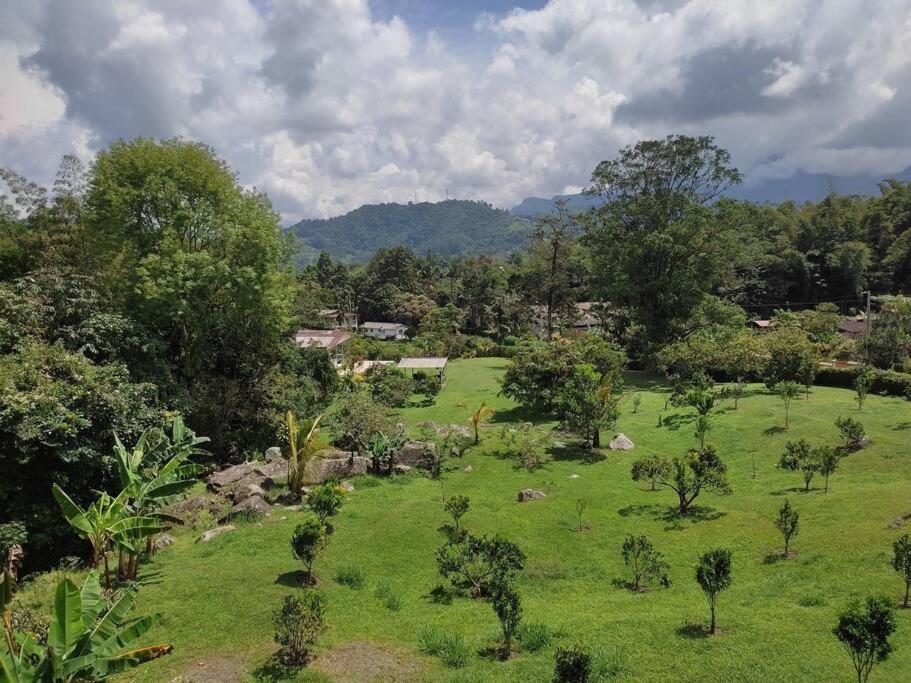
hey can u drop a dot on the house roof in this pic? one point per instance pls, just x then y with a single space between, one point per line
323 339
423 363
852 326
762 323
329 312
384 326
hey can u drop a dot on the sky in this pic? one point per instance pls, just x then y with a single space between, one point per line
330 104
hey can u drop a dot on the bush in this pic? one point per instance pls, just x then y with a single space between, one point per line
534 637
352 577
850 429
308 541
573 664
389 385
298 624
325 500
885 382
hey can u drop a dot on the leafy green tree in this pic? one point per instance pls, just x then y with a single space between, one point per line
480 562
535 375
308 541
862 385
901 562
787 392
799 457
298 625
88 638
691 474
507 605
713 574
851 430
790 352
828 459
864 630
652 469
389 385
325 500
657 244
587 404
356 418
788 523
644 563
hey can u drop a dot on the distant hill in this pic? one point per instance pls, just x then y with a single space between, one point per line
532 207
454 227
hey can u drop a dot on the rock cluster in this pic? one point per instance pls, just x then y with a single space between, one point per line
526 495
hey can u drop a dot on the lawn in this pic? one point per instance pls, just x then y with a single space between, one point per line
775 621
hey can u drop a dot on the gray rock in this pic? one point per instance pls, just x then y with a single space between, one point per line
190 508
254 506
244 491
864 442
530 494
415 454
217 531
273 453
621 442
401 469
164 541
468 468
273 469
230 475
346 486
319 469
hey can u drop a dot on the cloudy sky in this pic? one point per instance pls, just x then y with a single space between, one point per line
329 104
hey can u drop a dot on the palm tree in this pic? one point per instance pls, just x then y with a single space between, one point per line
106 522
480 416
305 442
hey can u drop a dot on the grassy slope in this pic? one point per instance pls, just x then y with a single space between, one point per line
776 619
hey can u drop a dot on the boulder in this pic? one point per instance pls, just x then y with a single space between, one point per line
346 486
468 468
272 469
217 531
190 508
621 442
230 475
401 469
254 506
530 494
273 453
337 464
414 454
163 541
864 442
240 493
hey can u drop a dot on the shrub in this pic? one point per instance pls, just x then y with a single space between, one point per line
389 385
325 500
863 382
851 430
901 562
572 664
478 562
864 630
534 637
308 541
508 607
713 574
644 562
788 523
298 624
352 577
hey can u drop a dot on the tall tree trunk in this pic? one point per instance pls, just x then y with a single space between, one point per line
596 438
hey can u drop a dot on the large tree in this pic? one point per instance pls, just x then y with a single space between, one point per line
657 243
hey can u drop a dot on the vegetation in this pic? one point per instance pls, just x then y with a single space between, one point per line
308 541
788 523
645 564
713 574
298 624
901 562
864 630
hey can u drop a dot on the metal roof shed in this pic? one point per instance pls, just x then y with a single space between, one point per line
438 364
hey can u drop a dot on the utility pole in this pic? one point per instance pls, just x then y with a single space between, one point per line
867 327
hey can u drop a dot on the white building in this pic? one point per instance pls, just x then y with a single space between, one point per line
393 331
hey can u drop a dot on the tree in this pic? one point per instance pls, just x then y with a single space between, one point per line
305 442
713 574
534 376
456 506
901 562
105 523
788 523
807 373
508 607
356 418
851 430
657 244
787 392
479 417
690 474
644 562
587 404
389 385
479 562
862 385
799 457
652 470
88 638
308 541
864 630
325 500
790 354
581 505
298 624
828 459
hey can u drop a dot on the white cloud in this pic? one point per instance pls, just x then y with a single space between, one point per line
325 106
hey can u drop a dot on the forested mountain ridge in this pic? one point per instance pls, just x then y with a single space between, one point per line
454 227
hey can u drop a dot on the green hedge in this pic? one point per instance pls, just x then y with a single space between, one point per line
886 382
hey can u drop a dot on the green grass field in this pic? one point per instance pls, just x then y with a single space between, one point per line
776 620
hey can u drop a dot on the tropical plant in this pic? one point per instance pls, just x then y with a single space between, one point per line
298 624
572 664
106 522
690 474
478 562
713 574
87 639
383 448
305 442
479 417
799 457
864 630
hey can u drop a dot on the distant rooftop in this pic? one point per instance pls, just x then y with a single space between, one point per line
323 339
383 326
423 363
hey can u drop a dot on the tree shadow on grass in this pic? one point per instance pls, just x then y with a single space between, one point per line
675 421
576 453
519 414
693 631
292 579
673 519
798 490
274 669
901 426
774 431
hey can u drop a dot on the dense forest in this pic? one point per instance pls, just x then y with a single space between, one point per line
151 283
450 228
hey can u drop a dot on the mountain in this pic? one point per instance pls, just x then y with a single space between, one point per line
454 227
799 188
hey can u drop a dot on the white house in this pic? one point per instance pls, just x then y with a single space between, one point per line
394 331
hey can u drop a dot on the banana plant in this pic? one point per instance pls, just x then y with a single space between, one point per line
87 639
305 443
107 522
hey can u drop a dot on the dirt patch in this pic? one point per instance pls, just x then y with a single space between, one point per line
365 661
214 670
